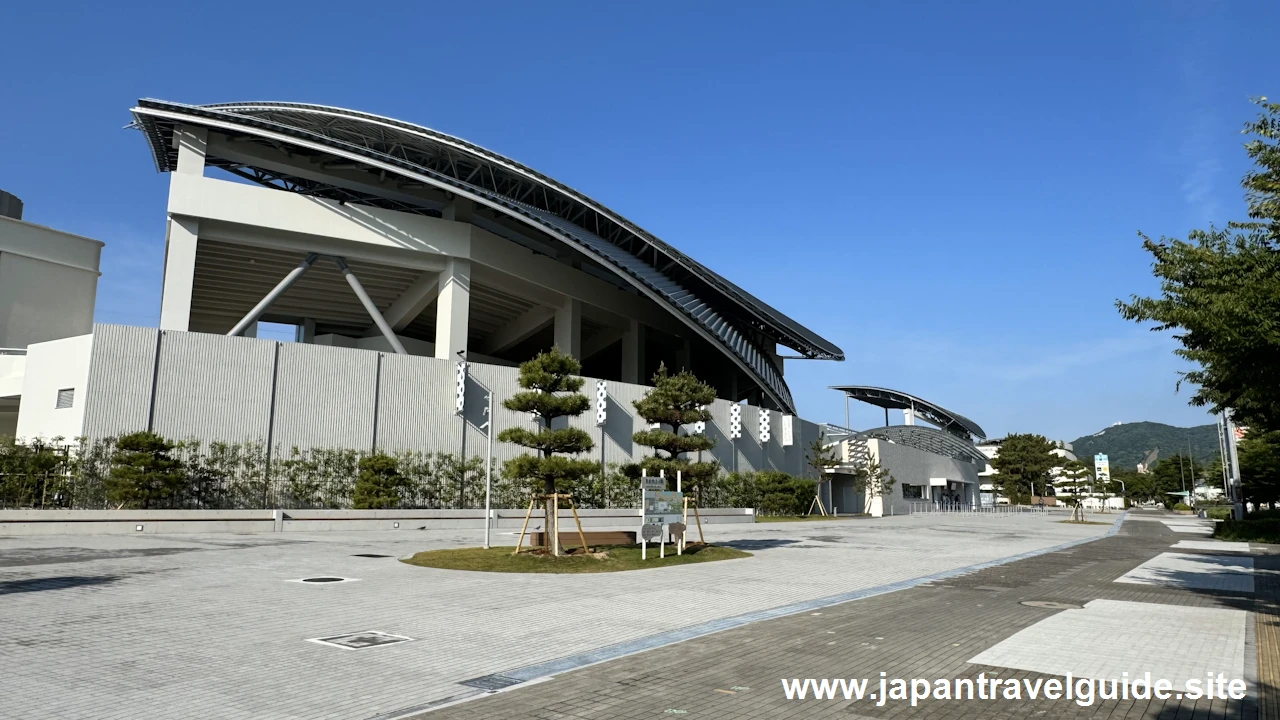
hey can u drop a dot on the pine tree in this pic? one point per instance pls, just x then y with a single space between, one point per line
821 457
676 401
551 387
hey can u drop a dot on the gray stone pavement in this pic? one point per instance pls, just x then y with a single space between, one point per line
211 626
931 631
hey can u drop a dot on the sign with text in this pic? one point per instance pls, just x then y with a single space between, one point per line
650 483
663 507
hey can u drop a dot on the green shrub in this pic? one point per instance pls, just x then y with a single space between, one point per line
1182 506
1219 512
143 472
1263 515
782 494
380 484
1266 530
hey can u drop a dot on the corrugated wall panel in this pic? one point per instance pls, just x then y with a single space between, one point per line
415 405
121 367
324 397
213 388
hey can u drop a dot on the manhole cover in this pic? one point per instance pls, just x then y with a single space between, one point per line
497 681
1051 605
361 640
373 555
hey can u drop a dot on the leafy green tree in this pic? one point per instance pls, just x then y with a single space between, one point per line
144 473
1171 475
380 484
869 479
1259 455
1023 465
675 402
822 457
1220 293
550 392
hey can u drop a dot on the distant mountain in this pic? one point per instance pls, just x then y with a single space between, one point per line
1126 444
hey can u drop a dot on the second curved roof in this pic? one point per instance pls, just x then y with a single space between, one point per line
897 400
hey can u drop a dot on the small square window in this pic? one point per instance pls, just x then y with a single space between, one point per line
66 398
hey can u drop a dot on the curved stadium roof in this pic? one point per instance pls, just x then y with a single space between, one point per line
741 325
953 423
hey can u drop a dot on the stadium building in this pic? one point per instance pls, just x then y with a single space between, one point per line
417 270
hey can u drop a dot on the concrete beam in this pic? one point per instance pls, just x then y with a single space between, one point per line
452 308
518 330
601 341
506 257
411 303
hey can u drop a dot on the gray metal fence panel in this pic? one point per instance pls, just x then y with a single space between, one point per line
324 397
121 368
213 388
415 405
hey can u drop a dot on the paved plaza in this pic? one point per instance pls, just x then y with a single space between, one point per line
221 626
1025 621
218 626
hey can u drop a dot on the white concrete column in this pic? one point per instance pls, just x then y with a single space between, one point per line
453 304
192 144
632 352
181 235
568 327
179 273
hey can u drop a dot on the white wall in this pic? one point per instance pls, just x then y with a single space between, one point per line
62 364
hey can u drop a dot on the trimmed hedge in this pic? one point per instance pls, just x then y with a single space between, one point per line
1266 530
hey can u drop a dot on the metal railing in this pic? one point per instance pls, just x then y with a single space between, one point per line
13 351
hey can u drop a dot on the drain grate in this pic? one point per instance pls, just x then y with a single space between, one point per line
361 640
373 555
491 683
1051 605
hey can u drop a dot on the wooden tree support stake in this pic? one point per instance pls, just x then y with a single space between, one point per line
581 537
520 540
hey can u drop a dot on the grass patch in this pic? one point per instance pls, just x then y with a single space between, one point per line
802 518
1266 530
616 558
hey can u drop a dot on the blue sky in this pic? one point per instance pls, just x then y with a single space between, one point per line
948 191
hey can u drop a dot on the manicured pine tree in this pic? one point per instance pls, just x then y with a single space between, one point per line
551 387
676 401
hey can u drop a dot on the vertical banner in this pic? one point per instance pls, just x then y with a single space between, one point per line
764 426
602 403
735 421
460 387
788 430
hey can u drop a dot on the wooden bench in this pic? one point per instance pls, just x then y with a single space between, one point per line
594 538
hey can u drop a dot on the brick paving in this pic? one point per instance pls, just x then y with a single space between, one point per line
929 631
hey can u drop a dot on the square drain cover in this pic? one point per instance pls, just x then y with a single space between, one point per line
497 681
361 640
